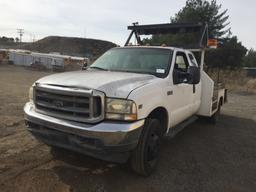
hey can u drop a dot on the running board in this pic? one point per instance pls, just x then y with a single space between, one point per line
178 128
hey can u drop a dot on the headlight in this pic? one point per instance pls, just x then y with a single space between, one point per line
31 94
119 109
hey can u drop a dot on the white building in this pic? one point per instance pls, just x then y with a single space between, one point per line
49 61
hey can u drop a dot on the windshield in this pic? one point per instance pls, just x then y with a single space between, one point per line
138 60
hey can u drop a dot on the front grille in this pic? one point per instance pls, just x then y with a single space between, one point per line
69 103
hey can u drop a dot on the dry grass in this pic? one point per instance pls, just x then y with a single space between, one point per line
235 80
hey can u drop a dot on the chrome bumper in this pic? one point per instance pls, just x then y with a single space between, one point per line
105 136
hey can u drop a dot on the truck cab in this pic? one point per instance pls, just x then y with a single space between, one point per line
120 107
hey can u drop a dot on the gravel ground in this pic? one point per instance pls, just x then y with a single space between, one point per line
201 158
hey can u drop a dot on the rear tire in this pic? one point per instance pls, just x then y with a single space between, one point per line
215 117
144 158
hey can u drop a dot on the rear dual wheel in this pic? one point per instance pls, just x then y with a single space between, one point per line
216 116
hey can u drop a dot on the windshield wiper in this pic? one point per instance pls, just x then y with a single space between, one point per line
99 68
142 72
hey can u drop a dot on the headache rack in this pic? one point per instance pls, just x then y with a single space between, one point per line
200 30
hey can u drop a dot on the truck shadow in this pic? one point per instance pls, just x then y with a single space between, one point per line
202 157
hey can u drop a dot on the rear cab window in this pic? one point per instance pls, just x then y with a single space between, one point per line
192 60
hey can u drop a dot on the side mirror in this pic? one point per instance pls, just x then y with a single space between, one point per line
86 64
176 79
84 67
194 74
181 77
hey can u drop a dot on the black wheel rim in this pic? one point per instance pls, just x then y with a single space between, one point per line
153 147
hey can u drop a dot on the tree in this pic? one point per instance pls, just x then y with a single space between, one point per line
11 40
196 11
202 11
229 55
250 59
231 52
6 40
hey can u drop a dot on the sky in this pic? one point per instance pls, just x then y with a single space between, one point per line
108 19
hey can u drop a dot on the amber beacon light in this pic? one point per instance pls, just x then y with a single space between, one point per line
213 43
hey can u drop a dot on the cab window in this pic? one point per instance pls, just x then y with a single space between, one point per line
180 71
181 62
192 59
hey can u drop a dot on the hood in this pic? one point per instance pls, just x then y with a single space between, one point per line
113 84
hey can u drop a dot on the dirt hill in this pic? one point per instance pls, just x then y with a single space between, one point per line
70 46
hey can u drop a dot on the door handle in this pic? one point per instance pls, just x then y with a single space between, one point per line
194 88
169 93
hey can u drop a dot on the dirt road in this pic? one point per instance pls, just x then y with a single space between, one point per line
201 158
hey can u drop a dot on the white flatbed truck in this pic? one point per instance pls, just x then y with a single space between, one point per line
120 107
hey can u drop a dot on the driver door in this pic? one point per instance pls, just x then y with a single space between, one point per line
182 100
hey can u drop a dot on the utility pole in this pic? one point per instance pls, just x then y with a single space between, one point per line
20 32
34 38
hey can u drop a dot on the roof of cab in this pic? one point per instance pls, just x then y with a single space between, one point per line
146 47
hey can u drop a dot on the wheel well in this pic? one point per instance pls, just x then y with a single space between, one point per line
161 114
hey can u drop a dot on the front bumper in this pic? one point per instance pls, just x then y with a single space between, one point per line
111 141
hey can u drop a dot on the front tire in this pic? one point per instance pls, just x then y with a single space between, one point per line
144 158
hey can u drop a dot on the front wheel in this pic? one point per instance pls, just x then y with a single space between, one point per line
145 157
